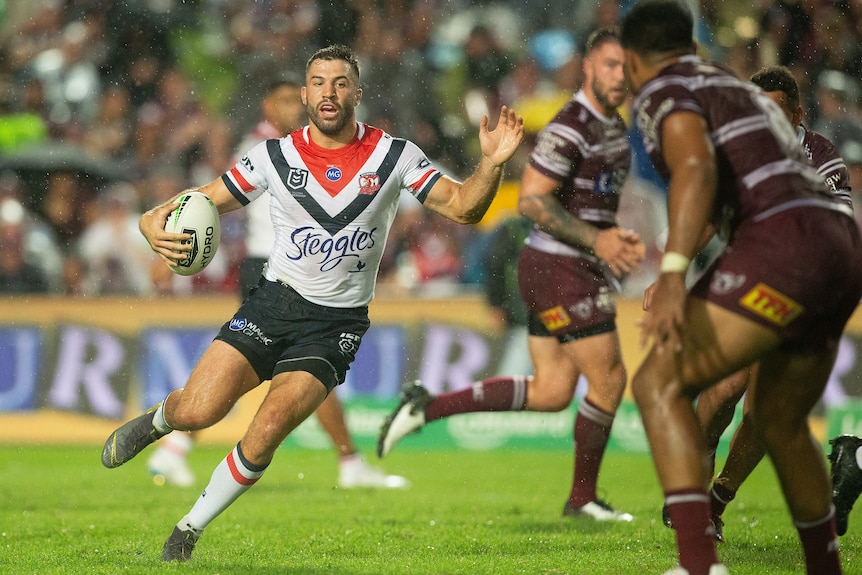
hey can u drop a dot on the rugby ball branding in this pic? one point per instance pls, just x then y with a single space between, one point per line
198 217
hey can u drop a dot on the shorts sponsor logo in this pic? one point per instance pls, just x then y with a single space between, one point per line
771 304
245 327
348 343
555 318
723 283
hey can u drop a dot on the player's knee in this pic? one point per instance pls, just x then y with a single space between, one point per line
548 398
191 417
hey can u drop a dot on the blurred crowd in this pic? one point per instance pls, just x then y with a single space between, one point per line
108 107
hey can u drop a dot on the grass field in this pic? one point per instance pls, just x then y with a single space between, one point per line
486 513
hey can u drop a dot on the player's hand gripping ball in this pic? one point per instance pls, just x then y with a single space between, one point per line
197 216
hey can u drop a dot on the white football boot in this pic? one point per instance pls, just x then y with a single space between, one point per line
408 417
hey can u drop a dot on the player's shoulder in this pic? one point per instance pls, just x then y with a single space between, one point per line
817 142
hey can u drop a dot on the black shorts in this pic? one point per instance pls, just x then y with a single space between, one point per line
279 331
250 275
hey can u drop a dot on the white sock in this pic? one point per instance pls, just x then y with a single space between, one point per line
230 479
159 419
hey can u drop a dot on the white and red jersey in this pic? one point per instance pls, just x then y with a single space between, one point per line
331 209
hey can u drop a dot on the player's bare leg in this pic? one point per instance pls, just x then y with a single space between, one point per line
717 343
291 398
785 391
557 369
746 452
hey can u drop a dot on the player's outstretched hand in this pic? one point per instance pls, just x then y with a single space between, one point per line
622 250
168 246
499 144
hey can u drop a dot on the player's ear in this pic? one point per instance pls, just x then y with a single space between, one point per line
303 96
358 96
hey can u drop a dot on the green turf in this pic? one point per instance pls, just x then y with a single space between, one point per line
467 513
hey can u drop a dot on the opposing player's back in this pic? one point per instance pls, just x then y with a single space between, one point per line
759 160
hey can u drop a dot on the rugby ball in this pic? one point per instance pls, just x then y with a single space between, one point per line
196 215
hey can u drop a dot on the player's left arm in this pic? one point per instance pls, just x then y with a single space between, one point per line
466 202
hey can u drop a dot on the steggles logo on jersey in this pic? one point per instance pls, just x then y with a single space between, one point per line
333 174
369 183
310 242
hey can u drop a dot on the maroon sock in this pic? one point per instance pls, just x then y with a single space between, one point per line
695 534
493 394
592 430
820 545
719 497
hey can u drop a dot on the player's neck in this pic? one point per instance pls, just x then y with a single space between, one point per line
334 141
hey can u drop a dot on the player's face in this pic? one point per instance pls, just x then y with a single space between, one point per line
605 76
780 98
331 95
284 109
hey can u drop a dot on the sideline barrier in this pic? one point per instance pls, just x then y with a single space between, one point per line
72 368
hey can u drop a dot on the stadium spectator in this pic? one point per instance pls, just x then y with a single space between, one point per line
114 258
508 313
570 192
302 327
746 307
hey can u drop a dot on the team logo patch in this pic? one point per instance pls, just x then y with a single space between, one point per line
583 309
369 183
349 343
333 174
771 305
605 300
297 178
724 282
555 318
238 324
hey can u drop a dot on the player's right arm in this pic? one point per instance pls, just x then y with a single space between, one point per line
621 249
169 246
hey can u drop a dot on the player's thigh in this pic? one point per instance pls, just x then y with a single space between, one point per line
218 380
718 343
292 398
786 388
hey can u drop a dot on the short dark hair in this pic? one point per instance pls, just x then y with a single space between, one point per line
657 26
335 52
778 79
599 38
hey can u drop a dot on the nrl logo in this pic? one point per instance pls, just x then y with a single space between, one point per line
297 178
